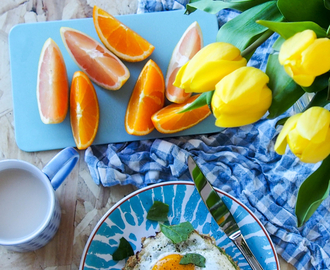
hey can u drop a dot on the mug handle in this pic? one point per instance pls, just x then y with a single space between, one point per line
59 167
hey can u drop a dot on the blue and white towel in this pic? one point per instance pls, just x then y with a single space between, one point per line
240 161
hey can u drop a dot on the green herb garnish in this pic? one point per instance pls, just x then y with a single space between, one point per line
193 258
123 251
158 211
177 233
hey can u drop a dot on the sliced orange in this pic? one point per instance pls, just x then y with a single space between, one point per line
101 65
147 98
84 110
189 44
170 120
52 84
118 38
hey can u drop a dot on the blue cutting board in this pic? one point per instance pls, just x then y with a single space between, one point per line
162 29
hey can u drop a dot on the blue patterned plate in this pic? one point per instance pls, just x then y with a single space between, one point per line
127 219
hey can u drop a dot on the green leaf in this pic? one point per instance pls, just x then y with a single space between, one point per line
203 99
193 258
328 31
281 121
278 43
158 211
319 99
209 96
312 192
177 233
243 30
305 10
123 251
284 90
214 7
288 29
249 51
320 83
327 4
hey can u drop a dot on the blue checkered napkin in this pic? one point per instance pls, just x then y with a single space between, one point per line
240 161
145 6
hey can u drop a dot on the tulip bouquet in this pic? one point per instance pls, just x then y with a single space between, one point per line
298 65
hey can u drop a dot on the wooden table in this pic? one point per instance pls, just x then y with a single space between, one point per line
83 203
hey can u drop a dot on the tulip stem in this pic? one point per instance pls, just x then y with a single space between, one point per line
257 43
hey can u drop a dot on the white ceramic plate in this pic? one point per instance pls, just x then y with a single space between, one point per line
127 219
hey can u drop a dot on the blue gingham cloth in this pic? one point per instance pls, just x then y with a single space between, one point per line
240 161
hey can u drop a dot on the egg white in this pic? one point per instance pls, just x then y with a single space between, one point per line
157 247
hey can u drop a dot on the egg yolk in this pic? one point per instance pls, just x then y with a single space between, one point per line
172 262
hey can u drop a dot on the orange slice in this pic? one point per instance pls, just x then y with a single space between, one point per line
84 110
170 120
118 38
52 84
147 98
101 66
189 44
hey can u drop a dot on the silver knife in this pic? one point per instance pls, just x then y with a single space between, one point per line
221 213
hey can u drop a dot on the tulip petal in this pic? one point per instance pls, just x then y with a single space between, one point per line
314 124
242 84
208 75
296 142
241 98
212 53
178 79
259 104
281 140
316 58
217 50
304 56
303 80
289 70
314 153
294 45
234 120
233 93
227 117
208 67
296 73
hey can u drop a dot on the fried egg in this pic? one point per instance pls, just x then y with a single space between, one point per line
159 253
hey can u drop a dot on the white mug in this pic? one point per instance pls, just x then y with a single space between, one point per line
29 210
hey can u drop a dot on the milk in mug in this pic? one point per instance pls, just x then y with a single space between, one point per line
24 203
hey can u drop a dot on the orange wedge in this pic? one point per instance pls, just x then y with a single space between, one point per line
101 66
189 44
170 120
147 98
52 84
84 110
118 38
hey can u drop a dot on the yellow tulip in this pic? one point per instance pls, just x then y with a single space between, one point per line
208 67
241 98
307 134
304 56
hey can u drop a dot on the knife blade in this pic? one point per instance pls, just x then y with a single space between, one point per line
221 213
